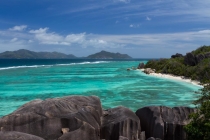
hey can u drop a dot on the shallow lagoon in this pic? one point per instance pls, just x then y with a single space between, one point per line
22 82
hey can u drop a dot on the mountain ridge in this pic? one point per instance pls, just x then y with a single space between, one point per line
27 54
108 55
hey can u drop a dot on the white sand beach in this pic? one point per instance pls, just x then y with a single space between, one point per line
179 78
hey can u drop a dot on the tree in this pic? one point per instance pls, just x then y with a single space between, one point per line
199 127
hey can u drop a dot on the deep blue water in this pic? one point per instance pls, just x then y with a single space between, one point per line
24 80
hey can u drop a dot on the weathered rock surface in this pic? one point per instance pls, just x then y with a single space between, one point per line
163 122
190 59
141 66
176 55
13 135
81 117
152 138
207 55
85 132
47 118
149 70
123 138
199 58
120 121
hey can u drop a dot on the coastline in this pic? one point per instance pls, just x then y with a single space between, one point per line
173 77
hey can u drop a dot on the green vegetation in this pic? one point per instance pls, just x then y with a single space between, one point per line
179 66
108 55
201 50
199 127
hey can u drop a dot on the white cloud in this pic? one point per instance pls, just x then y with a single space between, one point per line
30 41
18 28
75 38
124 1
148 18
185 11
134 25
158 45
39 31
47 38
14 39
50 38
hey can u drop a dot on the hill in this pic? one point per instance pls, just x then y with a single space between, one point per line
26 54
108 55
194 65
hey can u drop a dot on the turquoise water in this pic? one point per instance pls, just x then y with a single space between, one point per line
107 79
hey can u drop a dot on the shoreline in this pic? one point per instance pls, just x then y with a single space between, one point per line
173 77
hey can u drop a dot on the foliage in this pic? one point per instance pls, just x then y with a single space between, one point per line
199 127
176 66
201 50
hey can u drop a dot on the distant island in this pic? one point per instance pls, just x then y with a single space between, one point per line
108 55
27 54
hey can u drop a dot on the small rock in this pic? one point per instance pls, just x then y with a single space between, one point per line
176 55
149 70
141 66
142 136
13 135
85 132
151 138
123 138
65 130
207 55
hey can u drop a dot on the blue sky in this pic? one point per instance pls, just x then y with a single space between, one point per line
140 28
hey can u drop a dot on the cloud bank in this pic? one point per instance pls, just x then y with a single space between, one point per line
18 28
154 44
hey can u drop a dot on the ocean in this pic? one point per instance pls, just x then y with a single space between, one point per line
24 80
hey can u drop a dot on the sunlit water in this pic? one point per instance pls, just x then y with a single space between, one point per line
24 80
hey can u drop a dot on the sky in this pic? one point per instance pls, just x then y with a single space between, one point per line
139 28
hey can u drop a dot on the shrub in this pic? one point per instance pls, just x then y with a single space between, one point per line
199 127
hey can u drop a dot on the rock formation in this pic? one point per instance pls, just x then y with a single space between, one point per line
190 59
47 118
176 55
85 132
141 66
120 122
199 58
81 117
149 70
207 55
163 122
